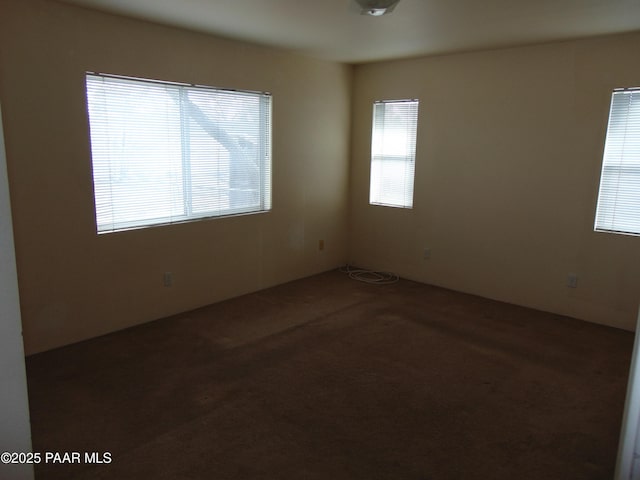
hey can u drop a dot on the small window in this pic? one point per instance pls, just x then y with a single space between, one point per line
393 153
166 152
619 196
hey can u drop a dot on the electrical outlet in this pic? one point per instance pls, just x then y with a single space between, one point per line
572 280
167 279
426 254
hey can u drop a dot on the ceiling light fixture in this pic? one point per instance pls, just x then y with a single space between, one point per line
376 8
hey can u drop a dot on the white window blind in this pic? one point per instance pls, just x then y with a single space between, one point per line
619 197
393 153
166 152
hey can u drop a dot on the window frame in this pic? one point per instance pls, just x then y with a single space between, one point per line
620 163
182 115
380 161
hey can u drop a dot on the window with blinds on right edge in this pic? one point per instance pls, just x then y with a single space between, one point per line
393 153
618 208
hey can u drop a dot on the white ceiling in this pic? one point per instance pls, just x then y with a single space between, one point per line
334 30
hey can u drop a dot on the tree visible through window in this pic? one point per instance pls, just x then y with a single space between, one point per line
166 152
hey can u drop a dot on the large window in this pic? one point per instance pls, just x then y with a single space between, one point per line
619 197
166 152
393 153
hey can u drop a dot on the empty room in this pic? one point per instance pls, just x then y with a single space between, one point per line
346 239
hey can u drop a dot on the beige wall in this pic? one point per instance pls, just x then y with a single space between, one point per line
75 284
509 153
508 161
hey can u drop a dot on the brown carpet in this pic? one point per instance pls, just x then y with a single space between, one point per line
328 378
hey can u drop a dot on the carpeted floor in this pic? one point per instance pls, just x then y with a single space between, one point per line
328 378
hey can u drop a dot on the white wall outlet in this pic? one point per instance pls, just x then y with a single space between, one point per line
426 253
167 279
572 280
